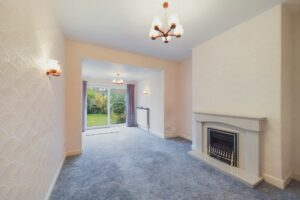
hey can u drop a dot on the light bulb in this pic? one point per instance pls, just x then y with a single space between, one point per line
145 92
156 22
169 38
178 30
53 64
153 33
173 20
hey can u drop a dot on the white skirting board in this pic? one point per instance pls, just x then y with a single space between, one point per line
187 137
54 181
161 135
277 182
156 133
170 135
166 136
70 153
145 128
74 152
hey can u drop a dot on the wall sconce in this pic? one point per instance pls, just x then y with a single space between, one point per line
146 92
53 68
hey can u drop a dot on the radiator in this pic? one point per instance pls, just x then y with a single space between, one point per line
142 117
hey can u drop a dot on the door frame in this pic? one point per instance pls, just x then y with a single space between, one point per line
108 87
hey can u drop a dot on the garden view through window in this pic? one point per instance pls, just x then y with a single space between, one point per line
105 107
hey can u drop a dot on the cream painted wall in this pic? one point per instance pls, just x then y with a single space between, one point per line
239 73
154 100
31 103
76 52
184 95
296 96
286 92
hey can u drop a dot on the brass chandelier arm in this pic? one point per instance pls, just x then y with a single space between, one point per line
158 36
159 30
170 29
173 26
172 34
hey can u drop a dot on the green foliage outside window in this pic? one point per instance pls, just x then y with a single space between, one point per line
97 103
118 106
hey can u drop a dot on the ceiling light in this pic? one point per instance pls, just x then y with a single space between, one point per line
118 81
53 68
173 29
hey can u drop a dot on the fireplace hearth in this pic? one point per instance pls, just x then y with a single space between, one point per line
223 145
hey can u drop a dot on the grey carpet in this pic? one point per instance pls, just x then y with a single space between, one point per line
135 165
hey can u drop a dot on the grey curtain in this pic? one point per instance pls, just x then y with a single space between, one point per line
130 106
84 85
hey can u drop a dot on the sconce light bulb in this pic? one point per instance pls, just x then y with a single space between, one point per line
53 68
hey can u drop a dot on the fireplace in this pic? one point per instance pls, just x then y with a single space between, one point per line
223 145
240 136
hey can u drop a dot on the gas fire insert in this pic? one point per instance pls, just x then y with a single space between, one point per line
223 145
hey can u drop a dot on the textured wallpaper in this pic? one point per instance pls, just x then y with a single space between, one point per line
31 103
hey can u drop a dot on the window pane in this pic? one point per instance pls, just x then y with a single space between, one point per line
96 107
117 106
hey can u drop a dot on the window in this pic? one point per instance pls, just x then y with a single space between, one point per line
105 107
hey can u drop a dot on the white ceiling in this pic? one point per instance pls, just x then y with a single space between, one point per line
105 71
125 24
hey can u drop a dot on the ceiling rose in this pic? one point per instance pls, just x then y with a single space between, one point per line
171 28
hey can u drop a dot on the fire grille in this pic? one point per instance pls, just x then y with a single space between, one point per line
222 145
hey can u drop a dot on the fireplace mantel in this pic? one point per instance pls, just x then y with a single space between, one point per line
253 124
249 129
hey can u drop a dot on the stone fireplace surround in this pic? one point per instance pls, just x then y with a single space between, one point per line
249 130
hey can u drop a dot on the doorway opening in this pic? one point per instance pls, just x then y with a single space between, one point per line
107 103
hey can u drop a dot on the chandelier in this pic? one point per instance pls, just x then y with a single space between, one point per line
172 28
118 81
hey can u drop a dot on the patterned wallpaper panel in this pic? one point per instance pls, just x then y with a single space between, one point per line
31 103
